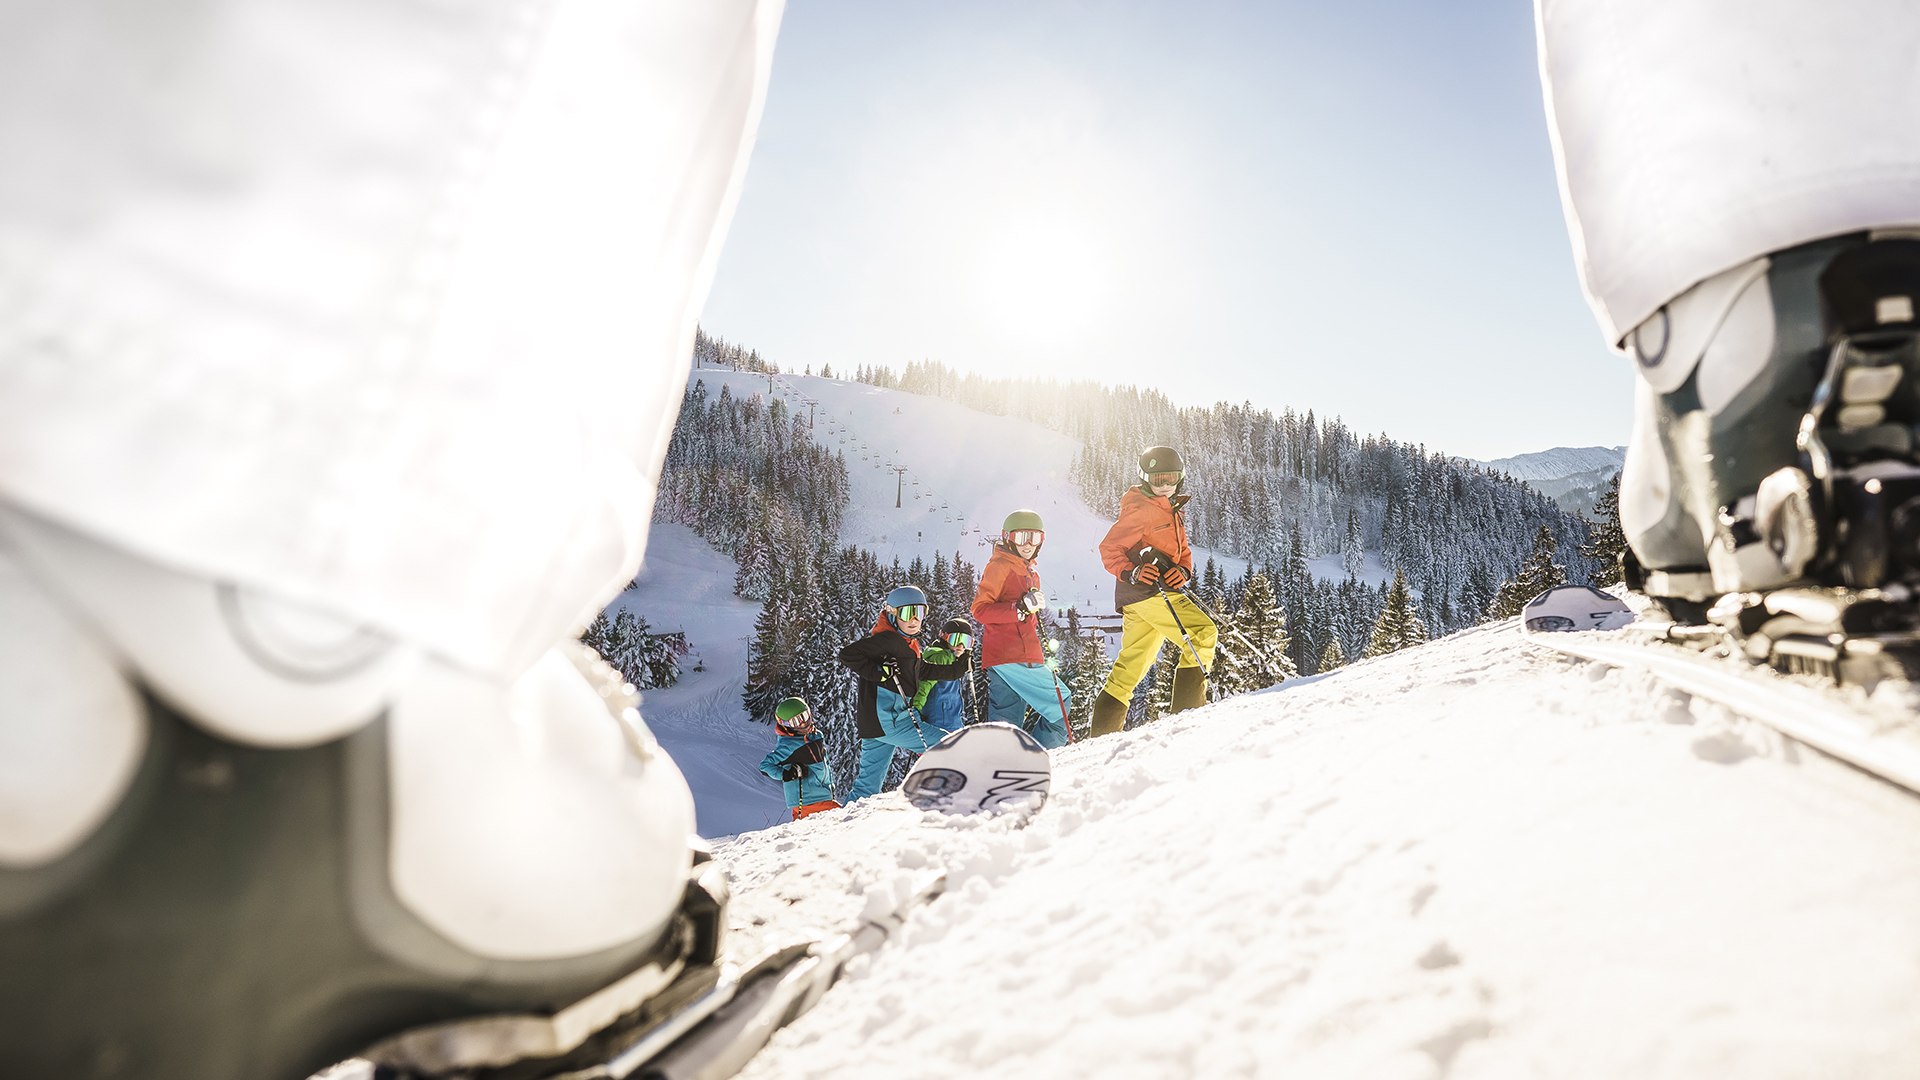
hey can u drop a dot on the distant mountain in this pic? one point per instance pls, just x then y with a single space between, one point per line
1572 476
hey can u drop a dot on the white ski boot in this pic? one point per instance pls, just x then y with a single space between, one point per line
1772 485
239 838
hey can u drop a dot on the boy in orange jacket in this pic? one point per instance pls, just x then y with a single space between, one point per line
1147 553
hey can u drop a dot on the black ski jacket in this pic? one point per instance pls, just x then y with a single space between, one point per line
865 657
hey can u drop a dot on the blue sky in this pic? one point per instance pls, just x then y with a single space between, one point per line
1348 207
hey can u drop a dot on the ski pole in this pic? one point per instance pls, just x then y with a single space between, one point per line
1235 631
1065 720
1183 627
973 700
911 711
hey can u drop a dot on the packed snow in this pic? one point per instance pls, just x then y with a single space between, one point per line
1469 859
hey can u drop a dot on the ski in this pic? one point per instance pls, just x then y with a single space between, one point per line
1877 733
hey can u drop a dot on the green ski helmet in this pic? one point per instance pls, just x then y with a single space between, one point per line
1161 459
1023 521
793 717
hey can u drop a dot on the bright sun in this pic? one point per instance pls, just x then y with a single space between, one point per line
1041 277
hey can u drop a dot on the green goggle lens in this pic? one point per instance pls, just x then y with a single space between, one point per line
960 641
909 612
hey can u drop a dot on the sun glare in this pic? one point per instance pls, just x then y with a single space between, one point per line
1040 278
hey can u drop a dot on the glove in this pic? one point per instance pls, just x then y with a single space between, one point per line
1144 574
793 772
1030 603
889 674
1176 576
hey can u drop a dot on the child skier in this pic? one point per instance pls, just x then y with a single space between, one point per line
799 760
941 703
1146 550
1007 605
888 661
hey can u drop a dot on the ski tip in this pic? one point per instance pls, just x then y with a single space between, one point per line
1566 608
991 768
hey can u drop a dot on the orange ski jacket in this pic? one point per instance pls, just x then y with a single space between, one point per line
1145 518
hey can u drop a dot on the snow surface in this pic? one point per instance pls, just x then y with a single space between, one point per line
1470 859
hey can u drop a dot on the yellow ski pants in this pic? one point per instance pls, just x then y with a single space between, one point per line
1144 625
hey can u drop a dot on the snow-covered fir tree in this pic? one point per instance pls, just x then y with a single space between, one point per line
1607 540
648 660
1399 625
1331 657
1538 574
1083 668
1254 643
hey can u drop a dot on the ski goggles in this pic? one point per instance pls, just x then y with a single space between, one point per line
959 640
1035 537
910 612
1164 479
800 721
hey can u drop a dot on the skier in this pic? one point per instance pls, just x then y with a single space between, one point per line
941 703
1007 605
799 760
888 661
1146 551
296 748
1742 200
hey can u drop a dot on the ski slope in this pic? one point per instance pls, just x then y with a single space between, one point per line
1470 859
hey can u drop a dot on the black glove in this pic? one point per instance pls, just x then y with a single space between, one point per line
793 772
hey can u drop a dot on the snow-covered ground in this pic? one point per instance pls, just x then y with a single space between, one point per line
1471 859
1467 859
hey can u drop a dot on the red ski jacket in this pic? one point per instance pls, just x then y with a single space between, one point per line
1005 638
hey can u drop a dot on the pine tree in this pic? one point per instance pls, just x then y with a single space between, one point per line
1262 624
1352 554
1538 574
1605 538
1398 626
1331 657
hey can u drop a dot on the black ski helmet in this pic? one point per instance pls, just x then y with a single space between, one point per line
956 625
1160 459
